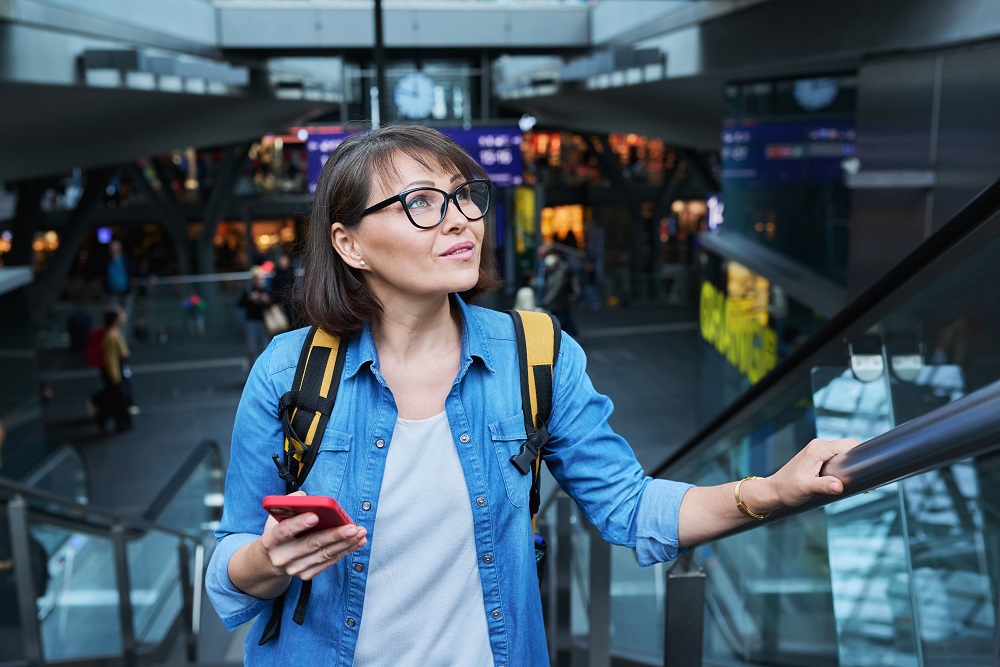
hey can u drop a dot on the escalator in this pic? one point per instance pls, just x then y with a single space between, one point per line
106 588
903 570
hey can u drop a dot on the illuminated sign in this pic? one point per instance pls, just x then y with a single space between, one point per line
496 149
737 333
786 152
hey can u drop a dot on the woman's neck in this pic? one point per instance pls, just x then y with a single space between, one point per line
406 333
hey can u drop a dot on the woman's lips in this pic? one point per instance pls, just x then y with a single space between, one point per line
462 250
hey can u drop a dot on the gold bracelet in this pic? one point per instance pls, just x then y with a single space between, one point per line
743 506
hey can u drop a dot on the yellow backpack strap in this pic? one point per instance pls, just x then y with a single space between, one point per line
538 340
305 409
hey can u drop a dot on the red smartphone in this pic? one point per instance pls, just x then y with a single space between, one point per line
329 511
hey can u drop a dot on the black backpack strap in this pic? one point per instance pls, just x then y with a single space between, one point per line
304 412
538 338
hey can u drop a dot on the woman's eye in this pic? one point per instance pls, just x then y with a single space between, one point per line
463 194
417 202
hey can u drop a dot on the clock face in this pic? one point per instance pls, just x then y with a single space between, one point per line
414 95
813 94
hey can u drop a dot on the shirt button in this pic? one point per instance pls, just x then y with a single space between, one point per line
464 437
487 559
351 623
380 443
366 506
496 613
481 501
358 567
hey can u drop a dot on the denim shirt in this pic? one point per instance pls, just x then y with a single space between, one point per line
596 467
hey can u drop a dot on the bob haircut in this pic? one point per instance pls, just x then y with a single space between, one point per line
335 297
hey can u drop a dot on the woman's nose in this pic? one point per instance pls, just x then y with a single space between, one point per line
454 220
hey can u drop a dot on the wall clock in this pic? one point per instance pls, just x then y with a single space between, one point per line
414 95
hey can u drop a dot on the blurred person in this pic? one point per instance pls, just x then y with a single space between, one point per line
590 294
524 298
118 273
114 400
194 309
439 568
254 300
557 297
283 288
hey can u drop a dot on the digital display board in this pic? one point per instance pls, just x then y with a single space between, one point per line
786 152
497 149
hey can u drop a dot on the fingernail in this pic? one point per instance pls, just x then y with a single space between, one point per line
311 519
834 487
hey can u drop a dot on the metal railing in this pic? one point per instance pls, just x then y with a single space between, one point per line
132 541
900 447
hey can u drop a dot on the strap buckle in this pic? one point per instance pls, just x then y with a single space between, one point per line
524 459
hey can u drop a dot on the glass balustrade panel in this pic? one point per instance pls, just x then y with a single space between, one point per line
156 596
79 613
196 507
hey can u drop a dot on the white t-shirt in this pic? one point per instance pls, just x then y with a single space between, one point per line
423 600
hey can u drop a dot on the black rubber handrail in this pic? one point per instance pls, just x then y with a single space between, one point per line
173 486
964 428
83 514
970 217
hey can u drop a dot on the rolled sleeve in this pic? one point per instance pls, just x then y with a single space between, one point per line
656 523
233 606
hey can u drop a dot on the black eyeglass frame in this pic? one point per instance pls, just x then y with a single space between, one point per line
448 196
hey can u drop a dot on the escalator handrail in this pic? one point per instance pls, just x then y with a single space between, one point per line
77 513
65 450
184 471
964 428
971 216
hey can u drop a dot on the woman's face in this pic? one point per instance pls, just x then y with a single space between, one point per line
404 261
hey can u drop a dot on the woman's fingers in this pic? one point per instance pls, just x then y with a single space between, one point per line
328 557
314 552
800 478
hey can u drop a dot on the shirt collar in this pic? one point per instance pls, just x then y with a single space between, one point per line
475 344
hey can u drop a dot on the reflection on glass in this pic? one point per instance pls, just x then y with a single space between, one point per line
156 587
871 587
79 612
580 581
949 569
197 506
637 608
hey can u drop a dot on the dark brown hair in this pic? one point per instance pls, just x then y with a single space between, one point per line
334 295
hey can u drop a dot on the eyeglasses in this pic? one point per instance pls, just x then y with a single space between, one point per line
426 207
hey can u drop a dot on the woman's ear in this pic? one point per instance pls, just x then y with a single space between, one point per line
346 245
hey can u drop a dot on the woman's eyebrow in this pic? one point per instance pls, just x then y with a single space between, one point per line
410 185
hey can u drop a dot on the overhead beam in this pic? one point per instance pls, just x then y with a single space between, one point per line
287 26
78 226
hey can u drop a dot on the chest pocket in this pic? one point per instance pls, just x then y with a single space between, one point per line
331 463
508 435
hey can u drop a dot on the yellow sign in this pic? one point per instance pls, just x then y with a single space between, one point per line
737 333
524 219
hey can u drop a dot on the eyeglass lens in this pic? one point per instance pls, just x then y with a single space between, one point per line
426 208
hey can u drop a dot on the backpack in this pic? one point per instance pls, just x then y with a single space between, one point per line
93 351
306 409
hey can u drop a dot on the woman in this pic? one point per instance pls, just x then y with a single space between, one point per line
439 567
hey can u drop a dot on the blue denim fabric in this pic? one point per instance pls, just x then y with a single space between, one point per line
595 466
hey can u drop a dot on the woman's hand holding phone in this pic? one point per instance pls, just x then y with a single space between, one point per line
312 534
